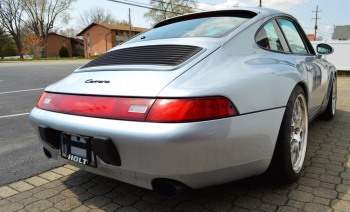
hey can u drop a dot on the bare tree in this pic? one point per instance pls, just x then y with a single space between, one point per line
10 19
98 15
70 32
163 10
42 15
123 22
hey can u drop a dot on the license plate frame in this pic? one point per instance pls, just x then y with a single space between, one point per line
67 143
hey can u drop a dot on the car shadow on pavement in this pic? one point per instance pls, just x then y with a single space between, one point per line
324 183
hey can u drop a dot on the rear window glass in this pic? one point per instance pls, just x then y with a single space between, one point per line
201 27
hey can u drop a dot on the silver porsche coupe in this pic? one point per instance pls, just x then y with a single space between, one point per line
198 100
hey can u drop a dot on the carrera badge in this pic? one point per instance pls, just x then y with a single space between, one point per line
96 81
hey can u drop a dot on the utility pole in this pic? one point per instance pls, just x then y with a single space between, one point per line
129 24
316 19
260 3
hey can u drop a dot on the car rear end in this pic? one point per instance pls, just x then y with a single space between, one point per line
108 118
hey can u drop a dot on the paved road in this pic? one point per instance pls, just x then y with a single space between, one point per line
324 184
19 147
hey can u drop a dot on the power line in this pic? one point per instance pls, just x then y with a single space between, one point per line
148 6
295 5
309 4
325 34
163 2
323 23
324 31
328 18
305 20
331 22
302 16
218 5
136 5
208 3
139 24
299 11
298 6
308 27
178 4
137 2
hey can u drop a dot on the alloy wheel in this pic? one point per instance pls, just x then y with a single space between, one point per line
299 131
334 96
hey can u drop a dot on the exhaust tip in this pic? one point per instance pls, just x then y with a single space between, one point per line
47 153
167 188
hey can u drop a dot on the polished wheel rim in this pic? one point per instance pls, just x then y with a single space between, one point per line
299 130
334 96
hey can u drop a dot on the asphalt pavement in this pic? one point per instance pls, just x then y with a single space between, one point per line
21 84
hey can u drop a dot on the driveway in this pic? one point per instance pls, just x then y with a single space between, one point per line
324 184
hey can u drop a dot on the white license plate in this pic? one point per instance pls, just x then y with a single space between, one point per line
77 159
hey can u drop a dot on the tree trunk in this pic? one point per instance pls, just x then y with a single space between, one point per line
46 38
18 42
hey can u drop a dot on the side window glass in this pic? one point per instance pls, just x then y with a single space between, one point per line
268 38
292 35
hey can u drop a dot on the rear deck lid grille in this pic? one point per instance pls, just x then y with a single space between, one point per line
163 55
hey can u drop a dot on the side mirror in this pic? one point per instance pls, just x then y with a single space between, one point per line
324 49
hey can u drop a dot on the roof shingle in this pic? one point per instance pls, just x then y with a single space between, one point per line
114 27
341 32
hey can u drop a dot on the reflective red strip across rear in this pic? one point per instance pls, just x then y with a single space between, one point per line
95 106
138 109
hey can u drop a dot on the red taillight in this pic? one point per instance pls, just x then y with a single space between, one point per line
136 109
187 110
96 106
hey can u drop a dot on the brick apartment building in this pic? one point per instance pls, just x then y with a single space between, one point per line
99 38
55 42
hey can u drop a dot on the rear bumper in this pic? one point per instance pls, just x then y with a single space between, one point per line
197 154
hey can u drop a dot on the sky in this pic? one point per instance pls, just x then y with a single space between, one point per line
333 12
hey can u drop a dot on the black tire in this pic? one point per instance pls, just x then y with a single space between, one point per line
329 113
281 169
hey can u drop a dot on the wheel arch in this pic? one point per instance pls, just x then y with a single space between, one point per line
305 89
333 75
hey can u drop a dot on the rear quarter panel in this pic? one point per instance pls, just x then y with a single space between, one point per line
252 78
